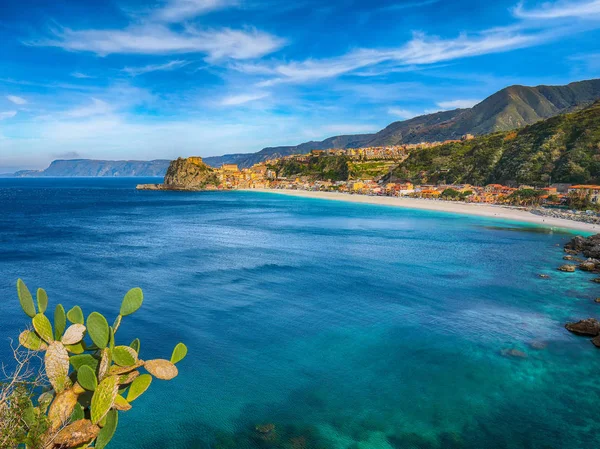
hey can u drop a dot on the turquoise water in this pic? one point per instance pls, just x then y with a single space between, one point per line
345 325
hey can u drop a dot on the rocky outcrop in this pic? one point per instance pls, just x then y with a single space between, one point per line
588 246
589 327
186 174
567 268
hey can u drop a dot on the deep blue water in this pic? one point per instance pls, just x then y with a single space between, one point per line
346 325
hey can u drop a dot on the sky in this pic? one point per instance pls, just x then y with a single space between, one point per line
131 79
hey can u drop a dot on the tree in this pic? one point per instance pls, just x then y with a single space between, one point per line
86 378
525 197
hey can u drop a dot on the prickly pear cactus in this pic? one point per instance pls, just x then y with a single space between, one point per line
98 380
57 366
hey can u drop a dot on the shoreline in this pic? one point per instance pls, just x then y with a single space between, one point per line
481 210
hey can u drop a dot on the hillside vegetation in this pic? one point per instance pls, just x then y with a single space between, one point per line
565 148
510 108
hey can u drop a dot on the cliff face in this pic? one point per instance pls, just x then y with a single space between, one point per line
186 174
89 168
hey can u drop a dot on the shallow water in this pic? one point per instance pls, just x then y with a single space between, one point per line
345 325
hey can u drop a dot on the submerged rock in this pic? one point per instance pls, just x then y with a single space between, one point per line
512 352
538 344
573 258
596 341
543 276
589 327
597 300
567 268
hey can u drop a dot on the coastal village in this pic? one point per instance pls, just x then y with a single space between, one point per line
265 175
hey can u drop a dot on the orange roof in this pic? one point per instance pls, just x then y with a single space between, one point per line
584 186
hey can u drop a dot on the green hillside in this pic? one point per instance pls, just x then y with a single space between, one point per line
565 148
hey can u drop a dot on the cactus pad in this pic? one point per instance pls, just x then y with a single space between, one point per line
42 326
57 366
84 359
78 348
86 377
25 299
103 398
138 387
78 413
127 378
60 321
132 301
124 356
98 329
135 344
74 334
32 341
117 323
121 404
104 363
107 432
161 369
118 370
78 434
42 300
62 408
75 315
179 353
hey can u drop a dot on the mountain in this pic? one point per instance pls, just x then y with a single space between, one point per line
90 167
561 149
510 108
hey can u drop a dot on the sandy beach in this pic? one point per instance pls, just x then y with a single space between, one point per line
482 210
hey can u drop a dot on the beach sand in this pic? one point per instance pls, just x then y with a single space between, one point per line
483 210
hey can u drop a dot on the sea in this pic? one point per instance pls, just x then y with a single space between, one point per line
313 323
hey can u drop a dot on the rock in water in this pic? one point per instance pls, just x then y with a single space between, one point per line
596 341
567 268
186 174
589 327
590 246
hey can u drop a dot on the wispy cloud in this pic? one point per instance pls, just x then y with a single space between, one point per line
178 10
97 107
561 9
159 39
420 50
7 114
171 65
235 100
80 75
16 100
404 114
458 104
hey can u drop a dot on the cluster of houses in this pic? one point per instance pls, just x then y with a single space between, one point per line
491 193
263 176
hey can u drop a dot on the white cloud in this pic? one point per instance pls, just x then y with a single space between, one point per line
81 75
178 10
171 65
16 100
404 114
159 39
235 100
558 10
420 50
97 107
7 114
458 104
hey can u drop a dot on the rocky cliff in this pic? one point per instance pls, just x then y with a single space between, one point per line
186 174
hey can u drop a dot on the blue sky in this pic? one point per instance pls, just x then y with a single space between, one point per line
130 79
